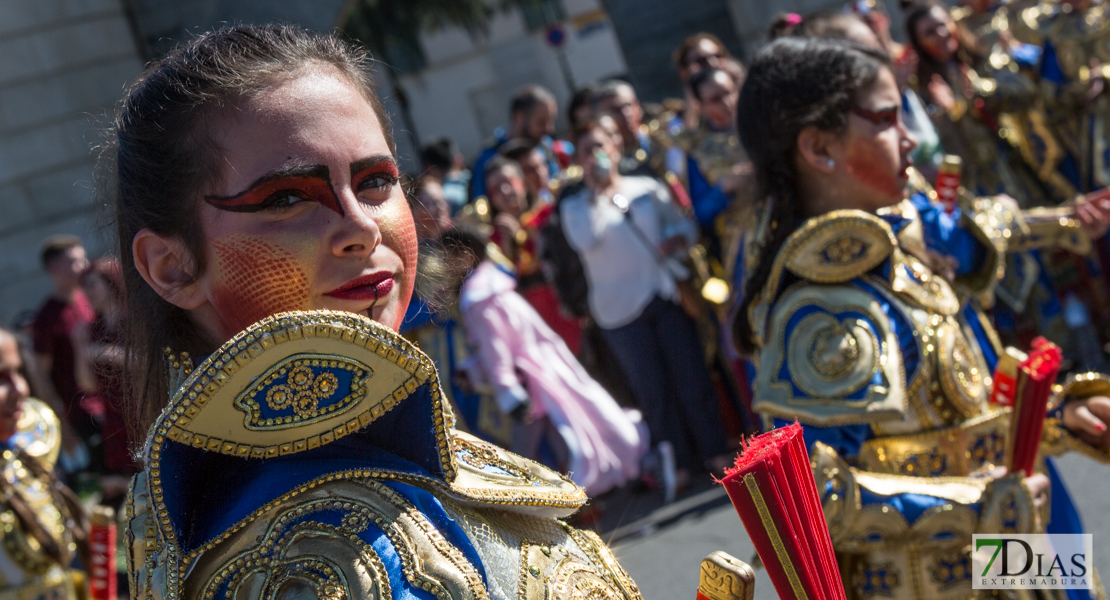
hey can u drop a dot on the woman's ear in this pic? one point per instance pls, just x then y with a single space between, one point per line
168 267
815 147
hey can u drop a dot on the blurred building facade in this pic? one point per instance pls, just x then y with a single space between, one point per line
66 62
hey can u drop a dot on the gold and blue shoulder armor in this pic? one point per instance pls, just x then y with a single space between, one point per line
830 358
313 454
829 355
833 248
1056 438
38 433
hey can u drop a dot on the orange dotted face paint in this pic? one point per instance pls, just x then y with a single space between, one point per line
256 279
399 233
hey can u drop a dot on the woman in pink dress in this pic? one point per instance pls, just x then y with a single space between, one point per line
534 375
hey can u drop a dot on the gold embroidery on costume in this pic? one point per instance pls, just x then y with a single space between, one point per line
551 572
38 524
313 538
935 435
831 354
307 388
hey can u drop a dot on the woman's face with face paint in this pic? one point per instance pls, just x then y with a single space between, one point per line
308 213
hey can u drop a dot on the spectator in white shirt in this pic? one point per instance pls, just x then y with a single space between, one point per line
629 235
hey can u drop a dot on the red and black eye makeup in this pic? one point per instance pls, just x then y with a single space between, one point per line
379 169
311 182
886 117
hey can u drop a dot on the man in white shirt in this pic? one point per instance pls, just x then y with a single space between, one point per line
629 234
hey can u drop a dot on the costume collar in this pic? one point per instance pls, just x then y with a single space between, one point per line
294 394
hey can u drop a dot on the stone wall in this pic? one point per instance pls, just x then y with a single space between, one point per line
63 63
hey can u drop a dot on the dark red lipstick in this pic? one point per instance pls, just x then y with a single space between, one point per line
368 287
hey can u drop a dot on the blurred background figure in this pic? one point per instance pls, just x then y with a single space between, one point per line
99 369
516 227
444 163
65 312
628 233
532 116
536 379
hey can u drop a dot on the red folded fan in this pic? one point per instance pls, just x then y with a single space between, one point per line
1036 375
773 489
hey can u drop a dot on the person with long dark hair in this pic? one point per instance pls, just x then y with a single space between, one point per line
967 97
859 335
301 448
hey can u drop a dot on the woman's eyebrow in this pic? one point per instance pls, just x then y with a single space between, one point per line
371 161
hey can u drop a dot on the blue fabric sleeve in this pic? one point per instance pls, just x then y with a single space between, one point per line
709 201
1050 67
943 234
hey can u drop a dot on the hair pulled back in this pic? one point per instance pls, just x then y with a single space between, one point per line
793 83
160 158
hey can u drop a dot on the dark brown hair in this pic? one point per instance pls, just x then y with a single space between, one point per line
679 57
55 246
160 158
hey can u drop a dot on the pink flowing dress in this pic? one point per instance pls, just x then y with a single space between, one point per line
605 441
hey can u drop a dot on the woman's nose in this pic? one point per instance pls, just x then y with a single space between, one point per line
358 232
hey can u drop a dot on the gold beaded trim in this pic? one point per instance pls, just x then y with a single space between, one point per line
217 370
492 496
358 518
602 556
480 457
303 391
261 557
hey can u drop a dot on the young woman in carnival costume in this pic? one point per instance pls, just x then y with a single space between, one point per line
857 334
310 453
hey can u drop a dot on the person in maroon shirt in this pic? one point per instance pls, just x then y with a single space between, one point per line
64 313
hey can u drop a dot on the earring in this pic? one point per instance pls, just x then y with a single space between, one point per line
830 163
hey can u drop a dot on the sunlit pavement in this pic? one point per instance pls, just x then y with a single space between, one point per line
663 547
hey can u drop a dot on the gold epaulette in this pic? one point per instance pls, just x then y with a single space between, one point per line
835 247
38 432
300 380
832 248
844 365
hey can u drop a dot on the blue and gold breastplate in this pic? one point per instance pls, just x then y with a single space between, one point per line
314 456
